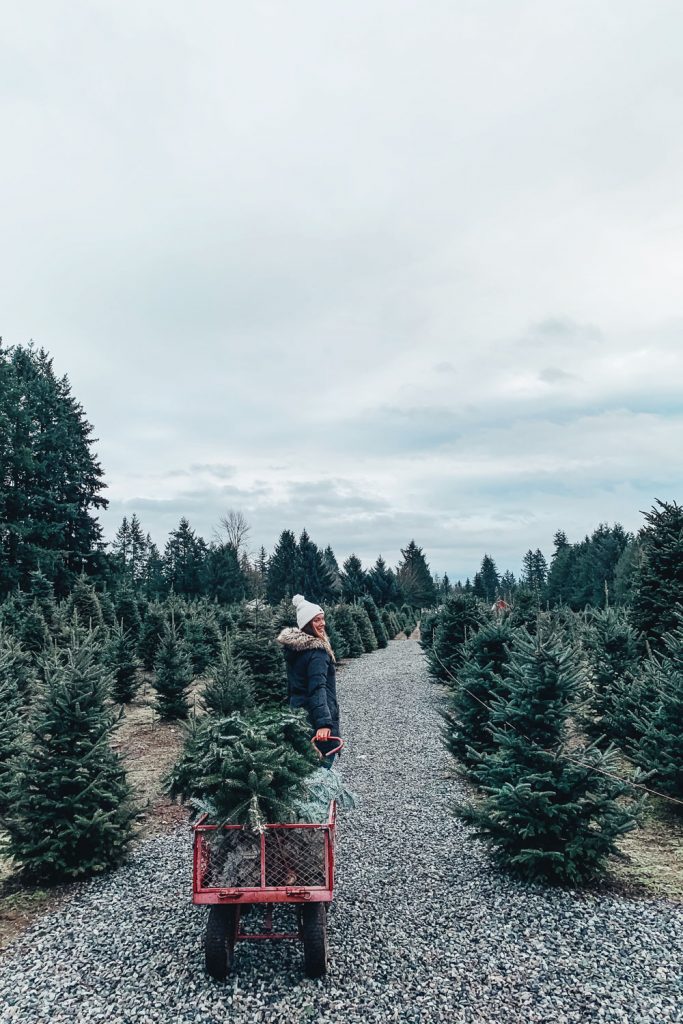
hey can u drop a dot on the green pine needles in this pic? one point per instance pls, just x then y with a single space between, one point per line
230 684
70 809
173 676
554 808
246 769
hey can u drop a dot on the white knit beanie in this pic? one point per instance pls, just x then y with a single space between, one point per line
305 610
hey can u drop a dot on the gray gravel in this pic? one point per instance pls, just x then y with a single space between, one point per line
422 928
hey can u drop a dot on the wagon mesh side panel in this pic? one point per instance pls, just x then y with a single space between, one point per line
295 857
230 858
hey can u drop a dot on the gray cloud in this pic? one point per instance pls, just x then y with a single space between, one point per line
555 375
356 269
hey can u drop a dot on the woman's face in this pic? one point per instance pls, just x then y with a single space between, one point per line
318 623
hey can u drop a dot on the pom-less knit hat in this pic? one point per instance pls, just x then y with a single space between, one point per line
305 610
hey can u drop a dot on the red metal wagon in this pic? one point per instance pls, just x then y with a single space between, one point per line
235 868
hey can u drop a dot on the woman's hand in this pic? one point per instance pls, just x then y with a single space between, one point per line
322 734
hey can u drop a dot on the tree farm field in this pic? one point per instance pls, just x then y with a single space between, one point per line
149 747
652 864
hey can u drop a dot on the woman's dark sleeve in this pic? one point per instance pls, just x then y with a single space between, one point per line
316 679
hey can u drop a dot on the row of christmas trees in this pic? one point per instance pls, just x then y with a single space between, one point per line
542 714
67 668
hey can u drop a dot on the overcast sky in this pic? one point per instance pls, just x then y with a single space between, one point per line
380 269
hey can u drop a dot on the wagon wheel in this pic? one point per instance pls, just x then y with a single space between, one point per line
219 941
314 934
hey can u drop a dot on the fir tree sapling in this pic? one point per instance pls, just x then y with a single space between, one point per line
151 635
612 654
11 720
173 675
337 641
128 612
551 813
71 808
660 748
659 582
364 627
120 658
202 639
460 617
346 625
33 632
84 605
230 684
375 621
258 648
480 681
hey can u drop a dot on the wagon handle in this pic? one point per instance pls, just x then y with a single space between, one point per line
336 750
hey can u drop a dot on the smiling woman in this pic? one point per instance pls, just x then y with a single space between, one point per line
311 672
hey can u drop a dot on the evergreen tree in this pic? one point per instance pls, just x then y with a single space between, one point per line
284 569
261 573
660 747
508 585
70 810
173 670
43 593
415 578
264 657
428 624
85 603
485 659
534 570
128 612
184 560
391 624
11 721
107 608
120 659
337 641
50 482
121 547
151 634
17 664
487 581
382 583
612 655
659 585
202 640
364 627
626 572
332 566
353 579
375 621
245 769
549 814
459 618
225 578
33 632
345 625
153 582
316 579
229 685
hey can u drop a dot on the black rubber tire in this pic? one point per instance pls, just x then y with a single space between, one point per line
219 940
314 934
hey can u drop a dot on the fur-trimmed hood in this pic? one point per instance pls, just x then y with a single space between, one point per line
296 640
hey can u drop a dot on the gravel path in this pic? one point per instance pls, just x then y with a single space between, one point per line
423 929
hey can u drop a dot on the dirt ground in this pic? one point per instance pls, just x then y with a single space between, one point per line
652 864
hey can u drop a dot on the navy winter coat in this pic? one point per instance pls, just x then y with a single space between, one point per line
311 676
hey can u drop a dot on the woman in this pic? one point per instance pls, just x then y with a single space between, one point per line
311 672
